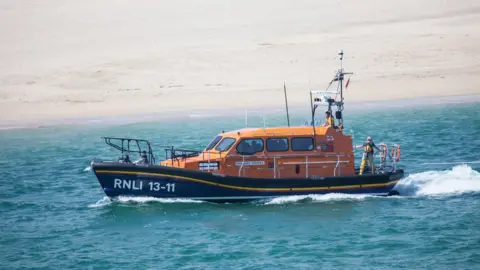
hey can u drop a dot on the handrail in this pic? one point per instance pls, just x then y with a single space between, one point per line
208 155
241 166
277 172
315 162
274 167
337 166
208 166
183 153
392 158
306 166
119 144
296 155
193 153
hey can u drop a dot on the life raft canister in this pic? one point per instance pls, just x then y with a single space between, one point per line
396 153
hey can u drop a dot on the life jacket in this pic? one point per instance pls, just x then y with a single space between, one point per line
330 122
369 147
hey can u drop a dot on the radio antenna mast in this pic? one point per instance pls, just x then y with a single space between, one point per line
328 97
286 102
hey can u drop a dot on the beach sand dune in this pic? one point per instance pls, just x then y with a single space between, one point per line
66 59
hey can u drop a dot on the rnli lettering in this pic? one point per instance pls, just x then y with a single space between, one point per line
127 184
250 163
138 185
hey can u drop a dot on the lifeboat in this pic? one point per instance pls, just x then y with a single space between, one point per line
255 163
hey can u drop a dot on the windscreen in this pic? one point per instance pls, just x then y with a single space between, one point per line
225 144
213 143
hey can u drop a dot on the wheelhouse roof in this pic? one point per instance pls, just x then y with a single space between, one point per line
275 132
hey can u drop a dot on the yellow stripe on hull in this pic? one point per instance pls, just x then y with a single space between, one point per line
250 188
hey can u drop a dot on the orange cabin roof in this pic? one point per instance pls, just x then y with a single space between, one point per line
278 131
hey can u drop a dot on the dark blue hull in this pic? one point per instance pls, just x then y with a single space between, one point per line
119 179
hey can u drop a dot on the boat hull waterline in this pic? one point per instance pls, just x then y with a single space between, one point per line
157 181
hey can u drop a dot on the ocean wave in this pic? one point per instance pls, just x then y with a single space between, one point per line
460 179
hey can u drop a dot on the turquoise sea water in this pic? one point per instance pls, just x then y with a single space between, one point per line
54 214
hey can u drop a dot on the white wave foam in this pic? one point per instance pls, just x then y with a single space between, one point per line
459 179
102 202
127 199
87 169
319 198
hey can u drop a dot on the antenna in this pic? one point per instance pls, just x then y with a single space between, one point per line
313 120
286 102
340 52
341 74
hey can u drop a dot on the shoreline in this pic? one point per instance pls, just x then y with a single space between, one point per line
355 106
65 64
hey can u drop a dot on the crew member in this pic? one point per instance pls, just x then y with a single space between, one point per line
143 158
330 121
125 159
368 153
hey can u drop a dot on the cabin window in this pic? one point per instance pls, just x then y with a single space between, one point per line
277 144
250 146
213 143
225 144
302 144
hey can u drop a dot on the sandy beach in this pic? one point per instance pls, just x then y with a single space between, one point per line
67 59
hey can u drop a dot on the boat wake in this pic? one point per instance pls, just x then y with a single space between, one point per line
332 197
138 200
460 179
127 199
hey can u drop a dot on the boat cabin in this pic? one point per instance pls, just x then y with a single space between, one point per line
309 151
278 152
